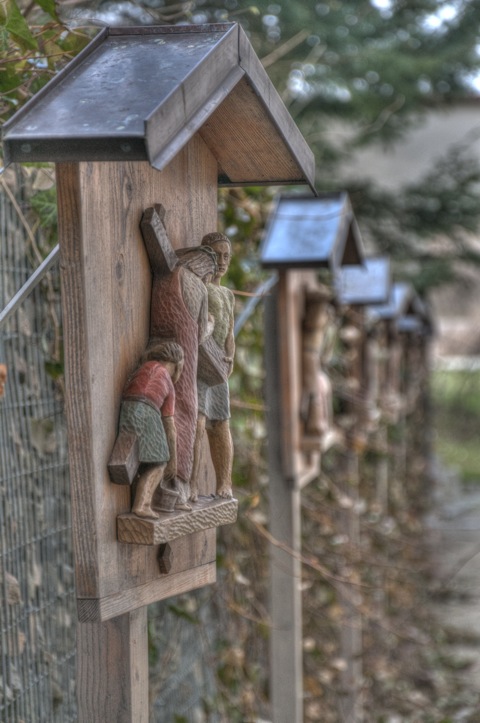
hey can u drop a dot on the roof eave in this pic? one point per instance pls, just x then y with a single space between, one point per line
183 113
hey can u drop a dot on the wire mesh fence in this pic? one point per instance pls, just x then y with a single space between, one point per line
37 602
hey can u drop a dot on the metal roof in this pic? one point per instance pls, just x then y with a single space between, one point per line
406 309
312 232
140 93
418 319
410 325
369 283
399 303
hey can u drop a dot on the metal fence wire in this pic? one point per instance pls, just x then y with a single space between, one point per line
37 601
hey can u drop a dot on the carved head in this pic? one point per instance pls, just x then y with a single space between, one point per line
223 250
201 260
165 352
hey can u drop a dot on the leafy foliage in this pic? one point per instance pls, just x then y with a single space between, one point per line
34 45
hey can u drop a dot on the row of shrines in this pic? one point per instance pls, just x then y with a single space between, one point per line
332 289
347 359
165 115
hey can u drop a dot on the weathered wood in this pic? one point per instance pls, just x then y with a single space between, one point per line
214 400
123 462
212 368
286 676
205 513
263 87
106 285
293 285
159 249
101 610
238 133
350 697
112 670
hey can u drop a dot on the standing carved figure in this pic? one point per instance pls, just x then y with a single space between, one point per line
179 311
147 411
317 406
214 401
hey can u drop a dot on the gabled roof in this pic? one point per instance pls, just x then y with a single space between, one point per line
405 308
142 93
312 232
410 325
369 283
418 319
399 304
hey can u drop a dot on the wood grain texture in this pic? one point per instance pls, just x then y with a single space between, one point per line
123 463
112 670
286 128
106 285
292 288
206 513
241 137
212 367
163 258
285 527
99 610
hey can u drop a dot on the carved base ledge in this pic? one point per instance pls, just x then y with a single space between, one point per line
208 512
323 443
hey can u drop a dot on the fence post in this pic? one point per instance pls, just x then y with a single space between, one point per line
112 670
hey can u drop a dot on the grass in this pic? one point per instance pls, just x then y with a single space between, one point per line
456 420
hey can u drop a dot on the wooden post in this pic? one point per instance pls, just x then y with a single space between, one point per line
350 698
106 285
286 678
112 670
381 434
350 703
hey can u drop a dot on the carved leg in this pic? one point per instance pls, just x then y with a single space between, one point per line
197 453
221 450
183 496
146 486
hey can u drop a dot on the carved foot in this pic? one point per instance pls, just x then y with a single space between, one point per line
146 512
225 492
183 506
193 492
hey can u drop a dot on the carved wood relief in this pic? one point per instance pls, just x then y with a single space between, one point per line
179 389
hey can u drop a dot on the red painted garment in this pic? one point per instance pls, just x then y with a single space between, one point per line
153 384
179 312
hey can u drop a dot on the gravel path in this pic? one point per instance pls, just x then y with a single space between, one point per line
454 544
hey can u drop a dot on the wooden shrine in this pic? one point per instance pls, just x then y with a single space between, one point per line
356 289
415 329
387 316
306 240
144 118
